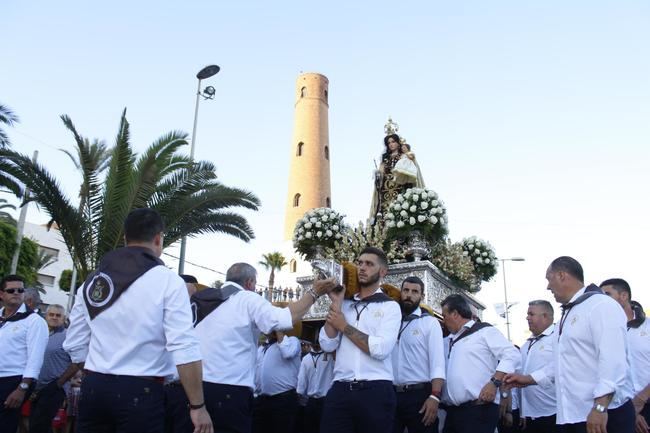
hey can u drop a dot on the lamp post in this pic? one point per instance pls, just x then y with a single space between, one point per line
207 93
505 289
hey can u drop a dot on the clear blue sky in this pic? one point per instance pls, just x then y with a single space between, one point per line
530 119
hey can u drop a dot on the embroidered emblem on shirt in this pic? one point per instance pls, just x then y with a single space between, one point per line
575 319
100 290
416 332
379 314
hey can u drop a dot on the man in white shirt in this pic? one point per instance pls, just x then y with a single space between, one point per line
23 338
314 380
129 316
478 357
538 405
363 331
590 371
278 402
418 363
228 322
638 334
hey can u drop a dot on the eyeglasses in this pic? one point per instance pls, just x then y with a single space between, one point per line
12 291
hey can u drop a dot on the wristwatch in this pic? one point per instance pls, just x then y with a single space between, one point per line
23 386
600 408
496 382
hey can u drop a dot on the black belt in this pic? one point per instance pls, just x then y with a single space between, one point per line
174 383
356 385
157 379
470 403
266 396
412 387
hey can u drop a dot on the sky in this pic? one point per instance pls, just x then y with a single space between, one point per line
529 119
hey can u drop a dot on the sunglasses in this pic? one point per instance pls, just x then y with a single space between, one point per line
12 291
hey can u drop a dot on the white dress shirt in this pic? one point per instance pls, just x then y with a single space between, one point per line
23 345
135 336
380 321
316 374
590 358
639 354
473 361
230 333
419 355
279 366
538 400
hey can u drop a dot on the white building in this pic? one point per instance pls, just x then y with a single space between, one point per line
51 242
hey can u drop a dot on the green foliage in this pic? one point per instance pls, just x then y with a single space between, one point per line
66 278
273 261
28 258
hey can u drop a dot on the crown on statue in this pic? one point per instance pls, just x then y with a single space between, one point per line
391 128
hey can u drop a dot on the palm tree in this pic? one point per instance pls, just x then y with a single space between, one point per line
186 193
273 261
7 117
6 216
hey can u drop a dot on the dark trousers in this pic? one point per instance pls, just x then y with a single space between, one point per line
276 413
514 428
120 404
408 413
8 417
177 410
472 418
229 406
543 424
47 402
619 420
313 412
359 407
645 413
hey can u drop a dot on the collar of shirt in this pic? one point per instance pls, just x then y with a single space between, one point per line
578 294
232 283
548 331
357 298
467 325
20 309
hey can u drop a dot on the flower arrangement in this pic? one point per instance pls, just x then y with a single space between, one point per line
451 259
482 255
373 233
318 228
417 209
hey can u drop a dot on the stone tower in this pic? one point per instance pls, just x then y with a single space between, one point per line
309 175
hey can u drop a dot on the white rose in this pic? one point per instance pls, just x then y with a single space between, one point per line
433 220
470 246
405 205
390 216
301 238
421 218
477 253
337 236
484 254
424 205
313 219
397 206
321 211
412 221
415 197
486 261
308 225
439 210
328 233
434 202
479 260
308 235
413 208
324 218
391 224
400 198
400 224
465 253
319 234
318 224
403 213
335 228
424 195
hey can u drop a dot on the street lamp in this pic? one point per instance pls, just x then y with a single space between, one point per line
207 93
505 290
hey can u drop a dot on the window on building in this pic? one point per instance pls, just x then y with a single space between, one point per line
328 203
292 265
296 200
327 153
303 92
326 95
46 280
50 251
299 149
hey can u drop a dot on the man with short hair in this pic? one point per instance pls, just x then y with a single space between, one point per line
314 380
23 337
538 405
33 299
478 357
363 331
228 321
590 370
129 316
51 387
418 363
191 283
638 334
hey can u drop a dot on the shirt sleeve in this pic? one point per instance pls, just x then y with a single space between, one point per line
326 343
77 338
266 317
37 336
608 328
177 323
503 350
301 389
289 347
382 343
436 350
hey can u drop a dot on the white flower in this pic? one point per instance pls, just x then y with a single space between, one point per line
433 220
413 208
319 234
400 224
300 238
434 202
423 195
391 224
397 206
415 197
412 221
400 198
308 225
470 246
324 218
335 228
465 253
484 254
405 205
438 210
301 230
477 253
313 219
308 235
328 233
403 213
321 211
424 205
479 260
390 216
486 261
318 224
421 218
337 236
